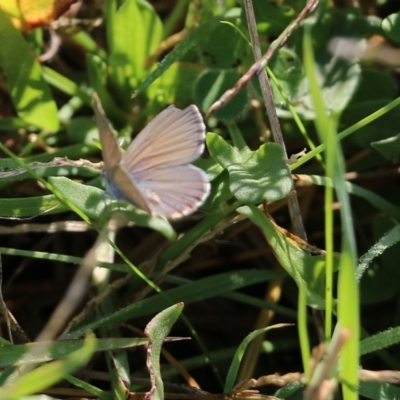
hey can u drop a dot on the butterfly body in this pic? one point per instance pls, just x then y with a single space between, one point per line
155 172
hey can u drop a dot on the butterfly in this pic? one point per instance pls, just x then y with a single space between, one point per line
155 173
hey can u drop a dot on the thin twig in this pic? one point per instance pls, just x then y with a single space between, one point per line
294 208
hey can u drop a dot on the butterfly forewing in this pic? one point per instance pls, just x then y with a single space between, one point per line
158 160
110 149
119 182
120 185
174 137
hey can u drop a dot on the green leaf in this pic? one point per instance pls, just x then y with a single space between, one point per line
287 67
48 374
338 78
262 176
30 206
133 35
391 26
307 270
24 353
29 92
374 85
380 341
82 130
97 76
389 148
234 50
272 17
234 368
220 193
174 85
97 206
380 282
378 391
87 198
189 42
157 330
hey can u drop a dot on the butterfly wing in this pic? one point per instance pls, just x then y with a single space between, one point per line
109 145
120 185
173 137
119 182
158 161
176 191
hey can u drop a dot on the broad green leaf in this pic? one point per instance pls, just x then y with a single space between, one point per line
210 166
157 330
262 176
391 26
389 148
133 35
89 199
97 206
337 77
82 130
287 67
29 92
307 270
375 85
220 193
338 80
272 18
380 341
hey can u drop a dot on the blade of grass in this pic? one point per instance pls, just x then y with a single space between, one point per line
348 297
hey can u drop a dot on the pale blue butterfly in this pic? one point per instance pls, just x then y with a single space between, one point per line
155 172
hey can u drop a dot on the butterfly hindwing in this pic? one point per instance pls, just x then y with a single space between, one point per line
176 191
